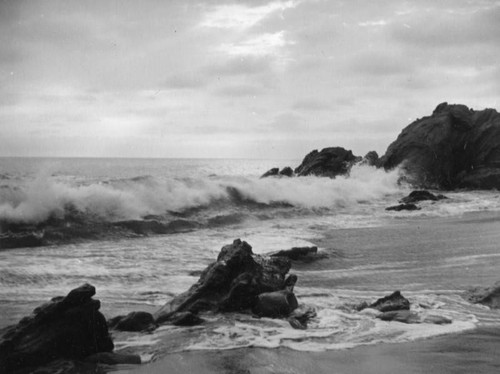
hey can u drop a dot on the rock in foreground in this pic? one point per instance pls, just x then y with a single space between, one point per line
232 283
68 327
455 147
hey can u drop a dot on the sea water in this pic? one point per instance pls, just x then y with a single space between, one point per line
370 252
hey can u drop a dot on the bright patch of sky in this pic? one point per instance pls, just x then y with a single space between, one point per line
250 79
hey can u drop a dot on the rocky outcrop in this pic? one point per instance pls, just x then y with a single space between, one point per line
455 147
421 195
330 162
370 159
232 283
276 172
271 173
68 327
489 296
394 301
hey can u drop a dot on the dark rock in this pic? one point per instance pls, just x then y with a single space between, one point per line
286 171
330 162
275 172
271 173
421 195
185 319
394 301
401 207
134 321
68 327
455 147
275 304
437 320
489 296
370 159
232 283
300 317
110 358
299 253
404 316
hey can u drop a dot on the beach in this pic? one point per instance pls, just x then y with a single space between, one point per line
463 252
432 256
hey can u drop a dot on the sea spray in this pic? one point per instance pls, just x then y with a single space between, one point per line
37 200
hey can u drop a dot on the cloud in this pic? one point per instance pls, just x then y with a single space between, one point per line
261 45
311 104
439 28
241 17
184 81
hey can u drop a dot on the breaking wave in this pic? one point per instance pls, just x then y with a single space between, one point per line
124 199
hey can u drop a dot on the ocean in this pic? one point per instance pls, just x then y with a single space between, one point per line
432 255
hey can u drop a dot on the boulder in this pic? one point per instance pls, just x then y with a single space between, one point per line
421 195
68 327
286 172
455 147
489 296
401 207
394 301
134 321
232 283
370 159
330 162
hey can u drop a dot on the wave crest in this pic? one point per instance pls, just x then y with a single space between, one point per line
113 200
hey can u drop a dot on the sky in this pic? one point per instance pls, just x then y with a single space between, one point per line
235 79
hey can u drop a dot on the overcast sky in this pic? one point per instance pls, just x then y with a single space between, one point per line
246 79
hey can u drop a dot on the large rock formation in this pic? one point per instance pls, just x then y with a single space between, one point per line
330 162
455 147
232 283
68 327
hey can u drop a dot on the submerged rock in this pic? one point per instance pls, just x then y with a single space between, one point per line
421 195
330 162
401 207
298 253
455 147
405 316
232 283
489 296
68 327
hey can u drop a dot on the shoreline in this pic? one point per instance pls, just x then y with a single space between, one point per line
472 351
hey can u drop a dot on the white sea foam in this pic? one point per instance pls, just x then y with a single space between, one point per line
38 199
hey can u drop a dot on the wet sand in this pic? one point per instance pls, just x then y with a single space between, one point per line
474 351
471 352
